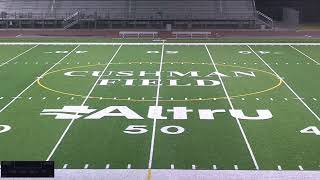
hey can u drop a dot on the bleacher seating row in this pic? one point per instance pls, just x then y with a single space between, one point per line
130 9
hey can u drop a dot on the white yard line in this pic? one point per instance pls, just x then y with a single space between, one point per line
305 55
298 97
155 120
16 97
231 105
85 100
4 63
148 44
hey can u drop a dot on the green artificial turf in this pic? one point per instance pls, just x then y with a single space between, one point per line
36 79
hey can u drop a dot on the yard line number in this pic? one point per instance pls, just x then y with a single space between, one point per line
4 128
141 129
311 130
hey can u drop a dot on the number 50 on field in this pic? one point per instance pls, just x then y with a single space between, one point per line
141 129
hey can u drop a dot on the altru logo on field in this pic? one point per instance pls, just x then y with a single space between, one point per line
154 112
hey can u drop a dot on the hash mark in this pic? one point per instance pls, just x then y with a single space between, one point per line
30 98
314 99
243 99
299 98
1 97
301 168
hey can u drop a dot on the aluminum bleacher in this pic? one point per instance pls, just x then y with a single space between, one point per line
131 10
134 9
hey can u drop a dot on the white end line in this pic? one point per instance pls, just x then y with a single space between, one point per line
85 100
238 121
6 106
298 97
2 64
305 55
155 120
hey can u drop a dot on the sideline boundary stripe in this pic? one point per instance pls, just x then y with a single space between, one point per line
298 97
159 43
238 121
84 101
35 81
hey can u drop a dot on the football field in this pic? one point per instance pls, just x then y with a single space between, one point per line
210 106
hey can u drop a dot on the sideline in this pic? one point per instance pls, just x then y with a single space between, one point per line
160 174
159 43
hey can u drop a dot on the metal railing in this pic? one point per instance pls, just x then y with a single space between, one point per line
71 20
266 20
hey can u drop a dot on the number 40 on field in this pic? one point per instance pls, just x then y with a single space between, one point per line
311 130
